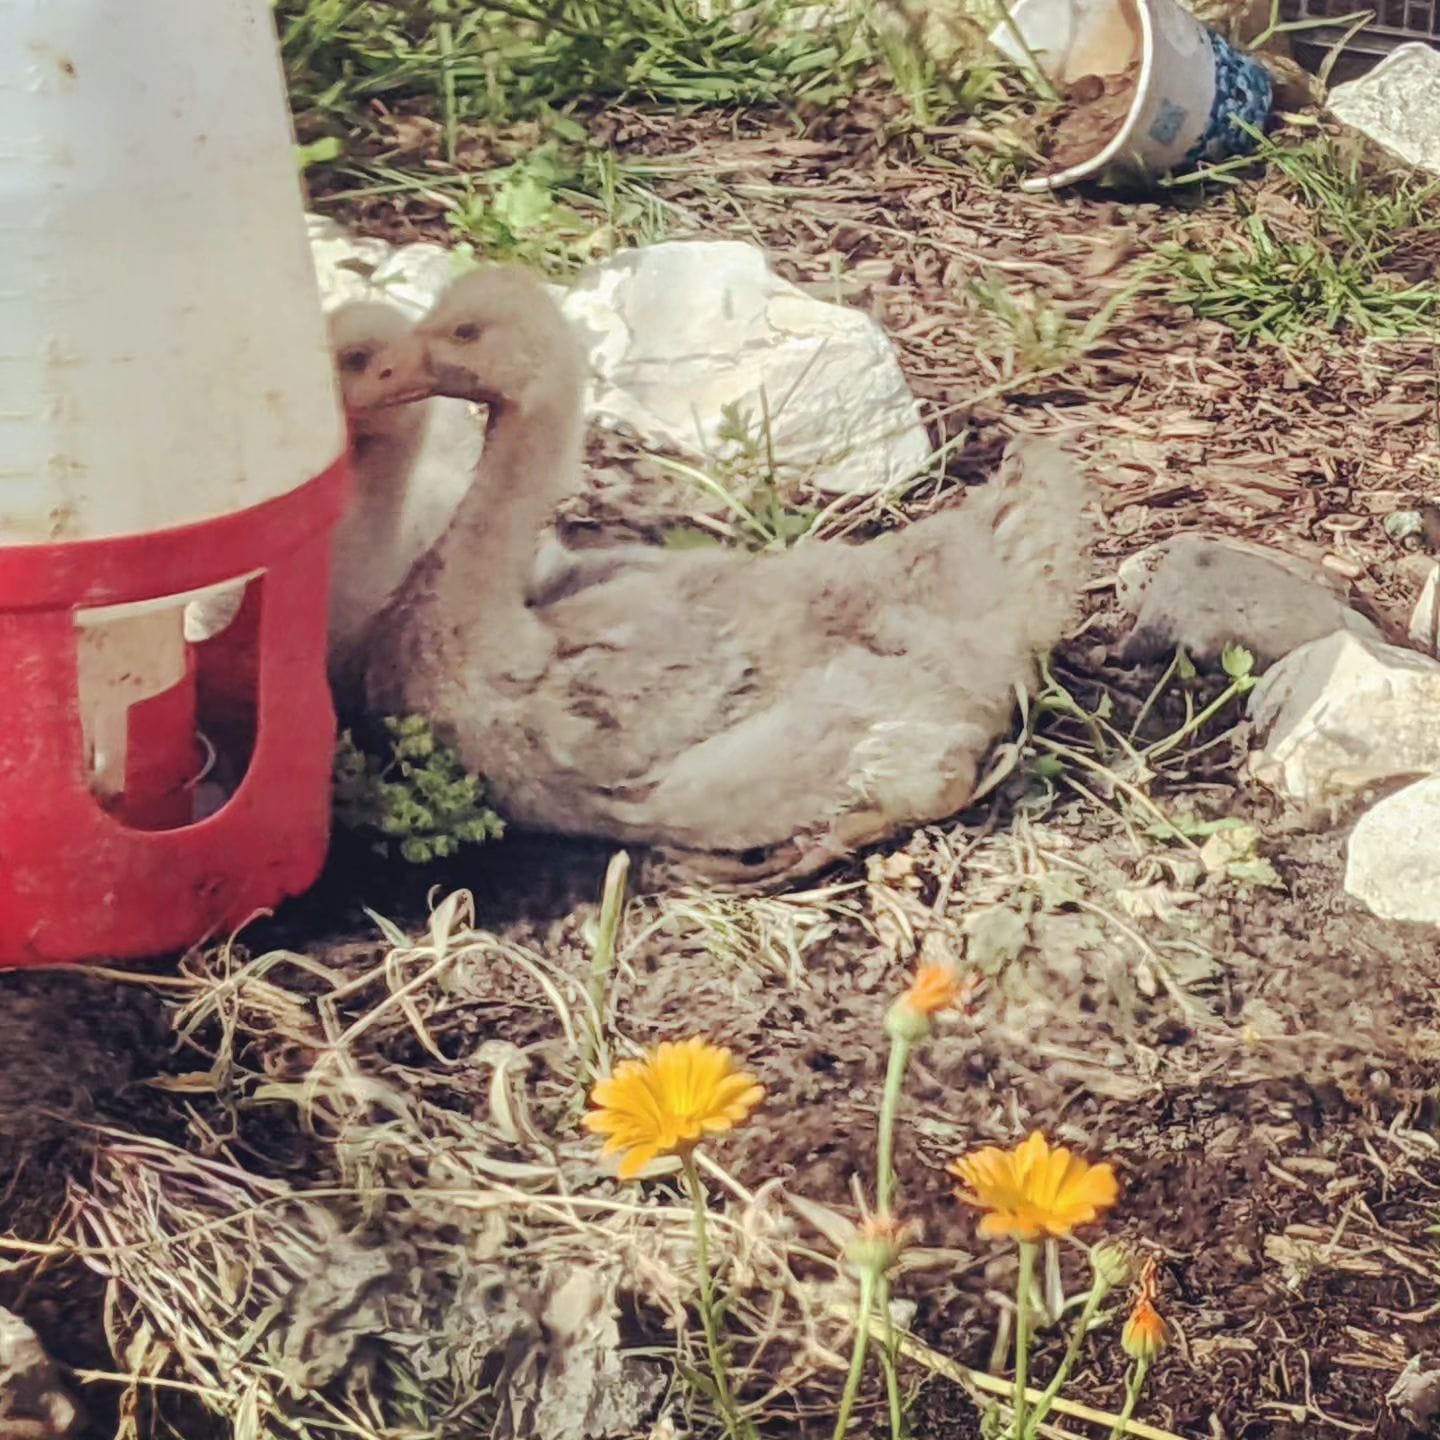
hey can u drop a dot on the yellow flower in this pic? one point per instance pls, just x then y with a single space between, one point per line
1033 1191
665 1103
1145 1334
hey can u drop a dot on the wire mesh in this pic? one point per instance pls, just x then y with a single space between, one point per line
1395 20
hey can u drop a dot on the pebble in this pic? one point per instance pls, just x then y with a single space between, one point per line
1425 618
34 1404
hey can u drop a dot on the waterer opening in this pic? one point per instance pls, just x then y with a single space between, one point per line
154 759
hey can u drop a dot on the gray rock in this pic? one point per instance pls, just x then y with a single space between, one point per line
1205 594
1391 865
1343 713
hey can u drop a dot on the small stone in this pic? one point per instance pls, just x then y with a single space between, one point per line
1205 594
1343 713
1406 528
1425 618
1416 1391
1390 865
34 1404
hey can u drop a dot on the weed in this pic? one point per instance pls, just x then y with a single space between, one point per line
557 207
1270 288
1029 336
602 959
510 60
411 793
1116 763
746 478
1327 271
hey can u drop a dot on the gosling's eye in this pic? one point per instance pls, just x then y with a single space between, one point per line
353 362
466 331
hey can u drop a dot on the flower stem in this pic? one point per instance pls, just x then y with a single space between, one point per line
1022 1333
1196 722
1098 1291
1132 1394
887 1361
857 1355
718 1372
889 1105
884 1196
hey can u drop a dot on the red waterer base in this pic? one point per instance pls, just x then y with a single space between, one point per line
76 883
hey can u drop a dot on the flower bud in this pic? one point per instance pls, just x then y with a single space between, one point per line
878 1244
1112 1264
1145 1334
904 1022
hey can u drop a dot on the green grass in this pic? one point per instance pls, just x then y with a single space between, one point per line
496 112
747 480
558 206
1026 334
503 61
1326 262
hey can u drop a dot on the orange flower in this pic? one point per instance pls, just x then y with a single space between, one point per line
935 987
665 1103
1033 1191
1145 1334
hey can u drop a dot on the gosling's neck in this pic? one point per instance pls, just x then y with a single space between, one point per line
384 449
531 462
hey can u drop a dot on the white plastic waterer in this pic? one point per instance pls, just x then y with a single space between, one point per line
168 423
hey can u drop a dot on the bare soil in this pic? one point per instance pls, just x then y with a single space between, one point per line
1261 1064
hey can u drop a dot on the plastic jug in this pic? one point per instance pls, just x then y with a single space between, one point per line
169 426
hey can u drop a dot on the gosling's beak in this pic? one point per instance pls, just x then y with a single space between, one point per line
396 375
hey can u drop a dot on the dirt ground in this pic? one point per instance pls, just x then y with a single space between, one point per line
1260 1063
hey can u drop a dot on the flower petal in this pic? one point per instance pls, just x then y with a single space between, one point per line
1034 1189
666 1101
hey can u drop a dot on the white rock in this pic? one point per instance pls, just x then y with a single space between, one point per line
352 267
1342 713
1206 593
1392 864
1397 105
1425 617
680 331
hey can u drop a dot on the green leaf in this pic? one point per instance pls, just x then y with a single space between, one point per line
318 152
1237 662
414 792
